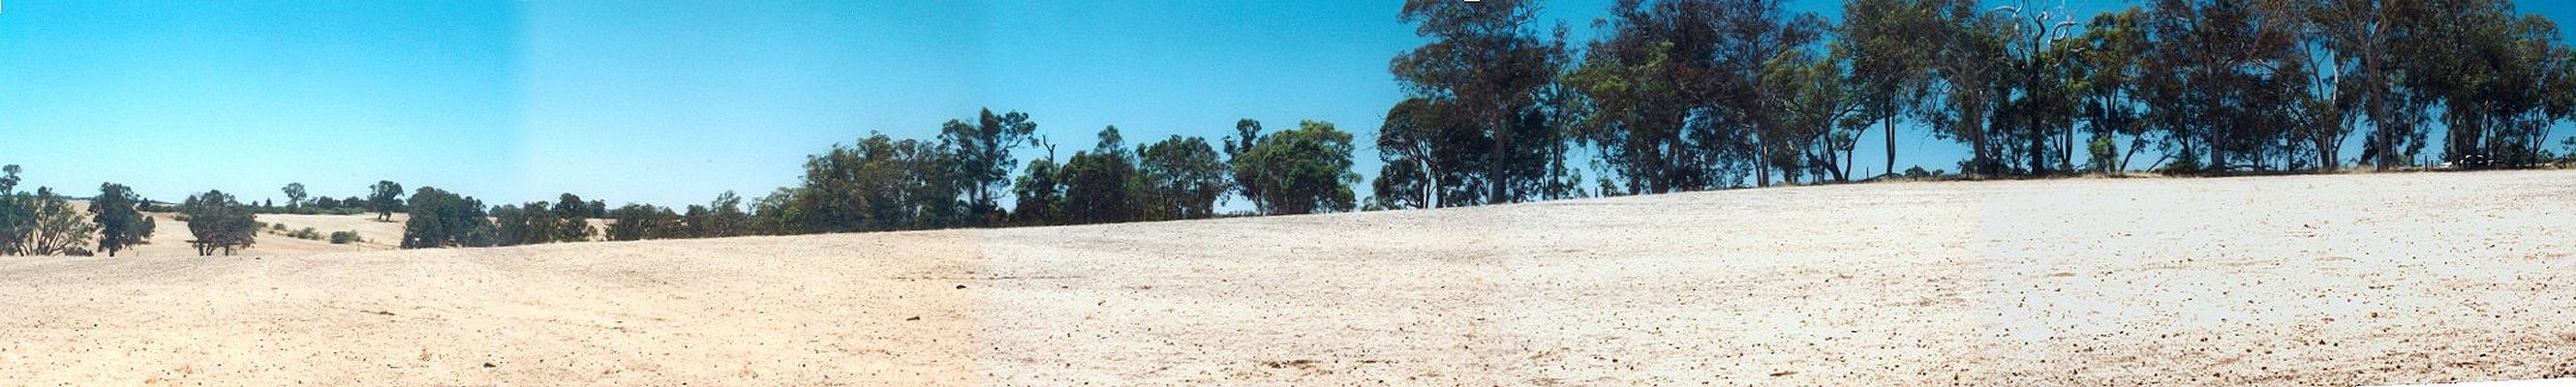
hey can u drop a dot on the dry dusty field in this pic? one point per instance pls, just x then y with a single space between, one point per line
2304 280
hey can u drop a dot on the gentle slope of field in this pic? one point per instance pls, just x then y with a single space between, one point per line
2304 280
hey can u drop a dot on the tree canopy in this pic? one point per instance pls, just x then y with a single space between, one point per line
121 222
219 222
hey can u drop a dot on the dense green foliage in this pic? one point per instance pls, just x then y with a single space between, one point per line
982 159
1487 77
1179 178
385 197
1301 171
219 223
1040 197
723 217
1099 183
121 222
645 221
443 219
1699 94
879 183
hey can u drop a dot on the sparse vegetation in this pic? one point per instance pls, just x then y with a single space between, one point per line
40 222
345 237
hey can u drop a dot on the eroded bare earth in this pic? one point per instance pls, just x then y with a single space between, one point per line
2308 280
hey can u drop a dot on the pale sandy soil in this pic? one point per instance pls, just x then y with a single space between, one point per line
2306 280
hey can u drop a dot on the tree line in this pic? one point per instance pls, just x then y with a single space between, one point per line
43 222
956 179
1687 95
1677 95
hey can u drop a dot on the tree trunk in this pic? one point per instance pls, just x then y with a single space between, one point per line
1890 127
1494 161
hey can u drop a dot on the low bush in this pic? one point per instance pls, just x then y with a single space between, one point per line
344 237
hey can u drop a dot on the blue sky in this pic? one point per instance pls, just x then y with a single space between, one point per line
664 102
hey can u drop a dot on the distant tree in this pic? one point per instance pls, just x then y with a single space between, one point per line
932 188
443 219
17 213
1301 171
1247 132
720 218
876 184
1099 183
1182 178
294 195
572 219
219 222
776 213
59 228
983 157
327 203
121 222
387 198
510 225
1040 196
644 221
695 219
39 223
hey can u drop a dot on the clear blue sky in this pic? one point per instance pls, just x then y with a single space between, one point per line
663 102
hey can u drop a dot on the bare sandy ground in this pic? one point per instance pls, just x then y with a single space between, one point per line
2306 280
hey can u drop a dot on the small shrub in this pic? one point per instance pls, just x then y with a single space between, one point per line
344 237
307 234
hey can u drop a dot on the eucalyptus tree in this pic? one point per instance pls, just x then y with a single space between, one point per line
1890 59
1967 63
2107 73
1636 112
219 222
983 157
385 197
1820 122
1099 183
294 195
1488 60
120 220
1307 170
1181 178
